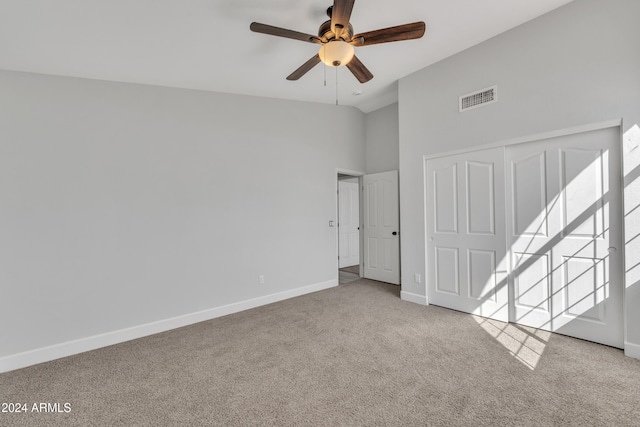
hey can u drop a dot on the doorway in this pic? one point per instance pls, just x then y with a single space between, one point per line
374 230
349 215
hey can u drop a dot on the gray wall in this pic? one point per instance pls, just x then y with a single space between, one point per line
577 65
125 204
382 139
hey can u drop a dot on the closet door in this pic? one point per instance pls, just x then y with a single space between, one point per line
564 235
466 243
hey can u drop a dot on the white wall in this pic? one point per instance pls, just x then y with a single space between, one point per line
382 139
124 204
574 66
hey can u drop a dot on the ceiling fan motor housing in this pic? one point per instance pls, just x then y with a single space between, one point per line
325 33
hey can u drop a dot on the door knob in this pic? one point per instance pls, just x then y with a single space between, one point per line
395 233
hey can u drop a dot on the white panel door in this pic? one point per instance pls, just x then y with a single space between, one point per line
564 234
466 243
381 227
348 224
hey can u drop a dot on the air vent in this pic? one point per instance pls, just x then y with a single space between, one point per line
479 98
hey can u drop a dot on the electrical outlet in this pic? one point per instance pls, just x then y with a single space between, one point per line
261 280
417 278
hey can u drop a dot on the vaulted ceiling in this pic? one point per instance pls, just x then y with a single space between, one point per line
207 44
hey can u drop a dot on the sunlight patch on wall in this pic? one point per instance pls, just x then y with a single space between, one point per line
525 344
631 146
632 136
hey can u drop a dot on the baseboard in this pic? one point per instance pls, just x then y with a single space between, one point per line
69 348
632 350
415 298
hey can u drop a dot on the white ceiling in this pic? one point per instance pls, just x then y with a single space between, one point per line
207 44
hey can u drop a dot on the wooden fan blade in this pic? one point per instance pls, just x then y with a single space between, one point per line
340 15
411 31
304 68
358 69
257 27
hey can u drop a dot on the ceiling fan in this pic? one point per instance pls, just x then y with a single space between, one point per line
338 41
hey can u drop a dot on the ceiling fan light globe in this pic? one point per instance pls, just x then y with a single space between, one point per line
336 53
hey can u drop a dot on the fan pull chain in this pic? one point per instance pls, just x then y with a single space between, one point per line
336 85
325 75
325 69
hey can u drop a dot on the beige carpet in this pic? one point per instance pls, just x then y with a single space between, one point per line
352 355
346 277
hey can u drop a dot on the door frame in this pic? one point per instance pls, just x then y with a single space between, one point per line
528 139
